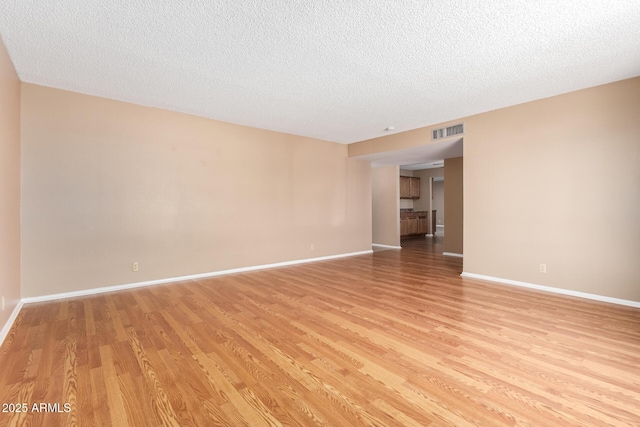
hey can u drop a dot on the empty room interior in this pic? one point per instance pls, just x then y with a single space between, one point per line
334 214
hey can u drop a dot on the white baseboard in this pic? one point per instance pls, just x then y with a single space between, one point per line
453 254
376 245
7 326
554 290
101 290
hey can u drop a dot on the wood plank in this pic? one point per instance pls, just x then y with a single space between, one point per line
394 338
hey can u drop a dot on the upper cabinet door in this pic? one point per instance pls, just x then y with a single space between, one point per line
415 187
409 187
405 187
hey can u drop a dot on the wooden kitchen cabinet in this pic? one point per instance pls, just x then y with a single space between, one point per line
423 225
412 226
409 187
405 187
415 187
409 226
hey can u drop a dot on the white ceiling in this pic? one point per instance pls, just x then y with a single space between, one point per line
421 166
420 157
336 70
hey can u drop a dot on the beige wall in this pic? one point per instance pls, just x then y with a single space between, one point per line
554 181
454 205
557 181
422 204
9 185
385 195
406 204
107 183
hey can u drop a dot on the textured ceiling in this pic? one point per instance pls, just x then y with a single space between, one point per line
335 70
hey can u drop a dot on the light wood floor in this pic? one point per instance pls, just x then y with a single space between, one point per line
394 338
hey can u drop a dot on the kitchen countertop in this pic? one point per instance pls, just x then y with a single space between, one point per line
412 214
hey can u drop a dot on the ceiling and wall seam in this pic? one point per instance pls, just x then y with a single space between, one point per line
335 71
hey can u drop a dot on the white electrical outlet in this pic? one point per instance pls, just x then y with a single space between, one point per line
313 247
135 266
543 268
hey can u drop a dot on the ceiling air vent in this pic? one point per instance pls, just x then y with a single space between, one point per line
448 131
